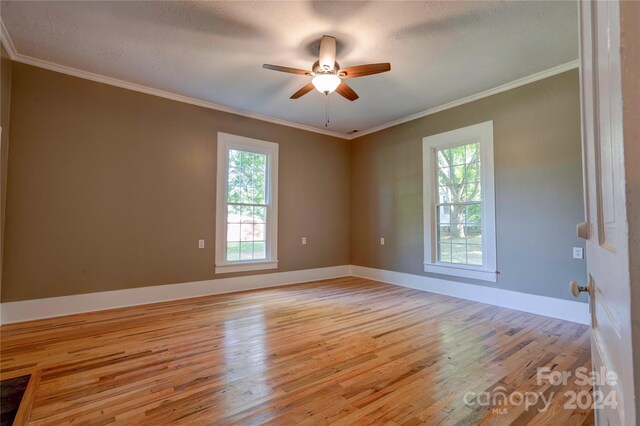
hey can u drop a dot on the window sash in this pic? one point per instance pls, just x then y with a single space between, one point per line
437 152
265 239
462 203
229 203
469 245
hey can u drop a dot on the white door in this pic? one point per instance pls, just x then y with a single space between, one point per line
606 228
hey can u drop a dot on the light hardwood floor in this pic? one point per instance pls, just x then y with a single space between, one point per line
344 351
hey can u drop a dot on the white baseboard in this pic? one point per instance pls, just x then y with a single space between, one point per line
66 305
27 310
548 306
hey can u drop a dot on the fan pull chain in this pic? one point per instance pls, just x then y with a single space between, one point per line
326 124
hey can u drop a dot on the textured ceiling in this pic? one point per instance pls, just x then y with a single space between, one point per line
213 51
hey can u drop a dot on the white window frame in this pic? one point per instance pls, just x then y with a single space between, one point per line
483 134
226 142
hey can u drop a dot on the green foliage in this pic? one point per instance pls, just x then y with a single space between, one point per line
459 173
238 213
247 177
473 214
246 186
459 219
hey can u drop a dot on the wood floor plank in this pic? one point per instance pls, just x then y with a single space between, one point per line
343 351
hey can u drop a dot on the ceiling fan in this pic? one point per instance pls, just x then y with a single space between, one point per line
327 74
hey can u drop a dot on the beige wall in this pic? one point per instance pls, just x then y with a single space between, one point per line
538 182
111 189
5 102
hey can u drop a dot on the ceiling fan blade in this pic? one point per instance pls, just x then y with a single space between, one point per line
287 69
305 89
327 56
362 70
346 91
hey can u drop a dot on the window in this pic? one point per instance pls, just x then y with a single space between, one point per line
459 207
247 201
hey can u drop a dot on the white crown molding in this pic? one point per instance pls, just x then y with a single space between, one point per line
502 88
15 56
168 95
18 57
566 310
6 41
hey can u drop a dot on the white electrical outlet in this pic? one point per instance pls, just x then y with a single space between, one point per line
200 243
304 241
381 241
578 253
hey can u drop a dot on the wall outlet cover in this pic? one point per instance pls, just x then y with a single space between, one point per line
578 253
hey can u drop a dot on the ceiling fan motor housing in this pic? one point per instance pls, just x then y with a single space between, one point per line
317 69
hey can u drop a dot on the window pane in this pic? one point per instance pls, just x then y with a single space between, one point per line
443 161
444 233
246 232
453 156
233 232
460 193
247 177
258 193
444 252
246 160
458 233
246 250
258 232
260 162
473 231
458 253
456 174
473 238
474 228
443 177
472 215
474 254
259 250
234 214
259 214
472 172
247 214
234 158
444 194
233 251
453 175
472 192
444 214
472 152
234 185
457 213
246 186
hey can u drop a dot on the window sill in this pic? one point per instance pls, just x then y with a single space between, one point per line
245 266
464 272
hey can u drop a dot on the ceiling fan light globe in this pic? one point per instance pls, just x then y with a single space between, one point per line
326 83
